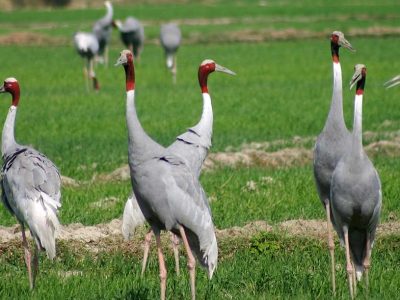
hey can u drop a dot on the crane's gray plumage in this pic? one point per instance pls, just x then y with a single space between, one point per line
87 46
168 193
132 34
170 38
335 137
31 191
102 28
356 195
331 142
30 185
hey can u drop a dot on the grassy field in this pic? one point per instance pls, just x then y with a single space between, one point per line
282 90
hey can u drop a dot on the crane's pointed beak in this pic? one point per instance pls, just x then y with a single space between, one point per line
346 44
356 77
219 68
2 89
121 60
392 82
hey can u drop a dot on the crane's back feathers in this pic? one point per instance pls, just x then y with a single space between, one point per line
31 190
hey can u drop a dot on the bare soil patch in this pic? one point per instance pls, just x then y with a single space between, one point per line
108 237
31 39
246 35
259 154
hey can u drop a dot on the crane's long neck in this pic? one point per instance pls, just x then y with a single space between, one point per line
205 125
335 116
8 144
357 123
139 142
109 14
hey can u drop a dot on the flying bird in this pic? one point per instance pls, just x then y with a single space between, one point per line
331 142
168 193
356 195
170 38
30 185
102 29
132 35
87 47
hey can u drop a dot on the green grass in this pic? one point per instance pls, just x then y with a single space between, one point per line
266 266
283 89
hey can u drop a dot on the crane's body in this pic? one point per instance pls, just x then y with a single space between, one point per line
169 194
132 35
331 143
30 187
102 29
87 47
170 39
356 195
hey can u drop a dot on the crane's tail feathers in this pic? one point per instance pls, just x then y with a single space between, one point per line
358 241
211 257
204 248
43 223
131 218
359 272
170 61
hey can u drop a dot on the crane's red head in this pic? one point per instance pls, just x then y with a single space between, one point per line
126 60
11 86
207 67
338 40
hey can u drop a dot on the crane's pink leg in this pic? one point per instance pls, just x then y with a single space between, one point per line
174 70
93 76
163 270
147 240
27 256
106 55
331 246
191 262
349 265
35 264
367 260
175 245
86 73
354 280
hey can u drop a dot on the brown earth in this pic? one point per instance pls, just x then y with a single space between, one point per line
245 35
107 236
257 154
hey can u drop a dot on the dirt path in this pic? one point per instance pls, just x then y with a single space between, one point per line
238 36
107 236
259 154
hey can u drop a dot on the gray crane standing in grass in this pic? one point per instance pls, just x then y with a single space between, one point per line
168 193
30 185
392 82
102 29
132 35
332 142
87 47
192 146
170 38
356 195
